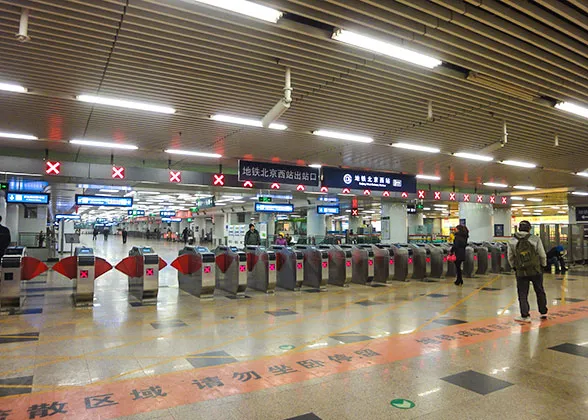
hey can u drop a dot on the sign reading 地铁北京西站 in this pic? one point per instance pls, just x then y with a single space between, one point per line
357 179
279 173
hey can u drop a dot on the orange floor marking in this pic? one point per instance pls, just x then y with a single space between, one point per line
190 386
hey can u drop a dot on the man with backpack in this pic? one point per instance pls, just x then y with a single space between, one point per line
527 256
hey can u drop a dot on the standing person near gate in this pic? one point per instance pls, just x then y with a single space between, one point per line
527 256
460 241
4 238
252 236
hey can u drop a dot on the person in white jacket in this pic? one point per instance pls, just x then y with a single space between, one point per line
527 256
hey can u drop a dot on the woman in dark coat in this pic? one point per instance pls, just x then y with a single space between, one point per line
459 250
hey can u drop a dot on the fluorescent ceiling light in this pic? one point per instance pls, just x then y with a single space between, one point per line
315 192
585 173
19 173
519 164
191 153
342 136
495 184
440 205
426 208
562 212
431 177
101 100
573 108
106 144
247 8
518 205
385 48
10 87
318 165
474 156
416 147
536 200
525 187
18 136
245 121
580 193
516 198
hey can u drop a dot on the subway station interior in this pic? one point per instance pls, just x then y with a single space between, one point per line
293 209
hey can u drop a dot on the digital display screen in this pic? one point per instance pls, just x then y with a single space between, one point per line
167 213
147 250
67 217
274 208
328 209
96 200
84 251
27 198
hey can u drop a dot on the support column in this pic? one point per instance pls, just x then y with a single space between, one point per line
218 232
414 221
270 219
354 223
315 224
394 223
478 218
503 216
11 221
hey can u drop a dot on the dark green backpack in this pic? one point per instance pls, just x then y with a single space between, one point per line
527 259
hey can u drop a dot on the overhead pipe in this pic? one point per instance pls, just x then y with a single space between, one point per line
23 28
282 105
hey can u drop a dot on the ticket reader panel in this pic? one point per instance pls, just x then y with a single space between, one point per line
287 273
261 269
11 266
434 260
316 266
403 264
383 263
144 282
86 275
196 271
360 266
419 262
231 270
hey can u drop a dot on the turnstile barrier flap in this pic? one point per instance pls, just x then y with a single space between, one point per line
224 261
132 266
187 263
31 268
67 267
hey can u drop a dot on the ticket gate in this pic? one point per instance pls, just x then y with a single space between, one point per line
433 259
370 261
448 266
481 256
83 268
16 267
401 261
381 261
419 262
261 269
505 265
359 263
289 267
231 270
316 266
142 267
494 256
196 271
468 266
339 258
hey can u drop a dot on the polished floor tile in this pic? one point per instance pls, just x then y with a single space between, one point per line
477 382
570 348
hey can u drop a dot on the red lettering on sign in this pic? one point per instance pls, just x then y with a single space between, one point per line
52 168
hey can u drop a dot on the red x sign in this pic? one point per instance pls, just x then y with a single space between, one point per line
52 168
275 186
118 172
404 194
437 195
324 189
367 192
346 191
175 176
421 194
355 212
480 199
466 198
386 194
451 196
248 184
492 199
218 180
504 200
300 187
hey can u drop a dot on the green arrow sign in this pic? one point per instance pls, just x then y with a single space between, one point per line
287 347
402 403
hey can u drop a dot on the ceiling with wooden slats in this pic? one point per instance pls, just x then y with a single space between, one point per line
503 60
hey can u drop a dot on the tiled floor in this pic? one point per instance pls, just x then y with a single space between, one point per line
341 354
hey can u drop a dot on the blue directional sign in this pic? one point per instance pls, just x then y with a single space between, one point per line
67 217
27 198
328 209
136 212
167 213
97 200
274 208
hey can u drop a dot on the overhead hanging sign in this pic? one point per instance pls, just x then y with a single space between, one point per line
277 172
360 180
67 217
203 203
136 212
167 213
97 200
274 208
581 214
26 198
328 209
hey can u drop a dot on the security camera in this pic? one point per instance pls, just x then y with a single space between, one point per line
276 112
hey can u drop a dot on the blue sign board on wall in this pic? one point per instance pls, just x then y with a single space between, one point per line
274 208
167 213
96 200
356 179
27 198
67 217
328 209
277 172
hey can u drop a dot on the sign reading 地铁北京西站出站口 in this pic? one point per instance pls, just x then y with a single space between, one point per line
357 179
278 173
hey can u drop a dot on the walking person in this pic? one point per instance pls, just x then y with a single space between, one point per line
460 241
94 233
527 256
124 234
185 234
4 238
